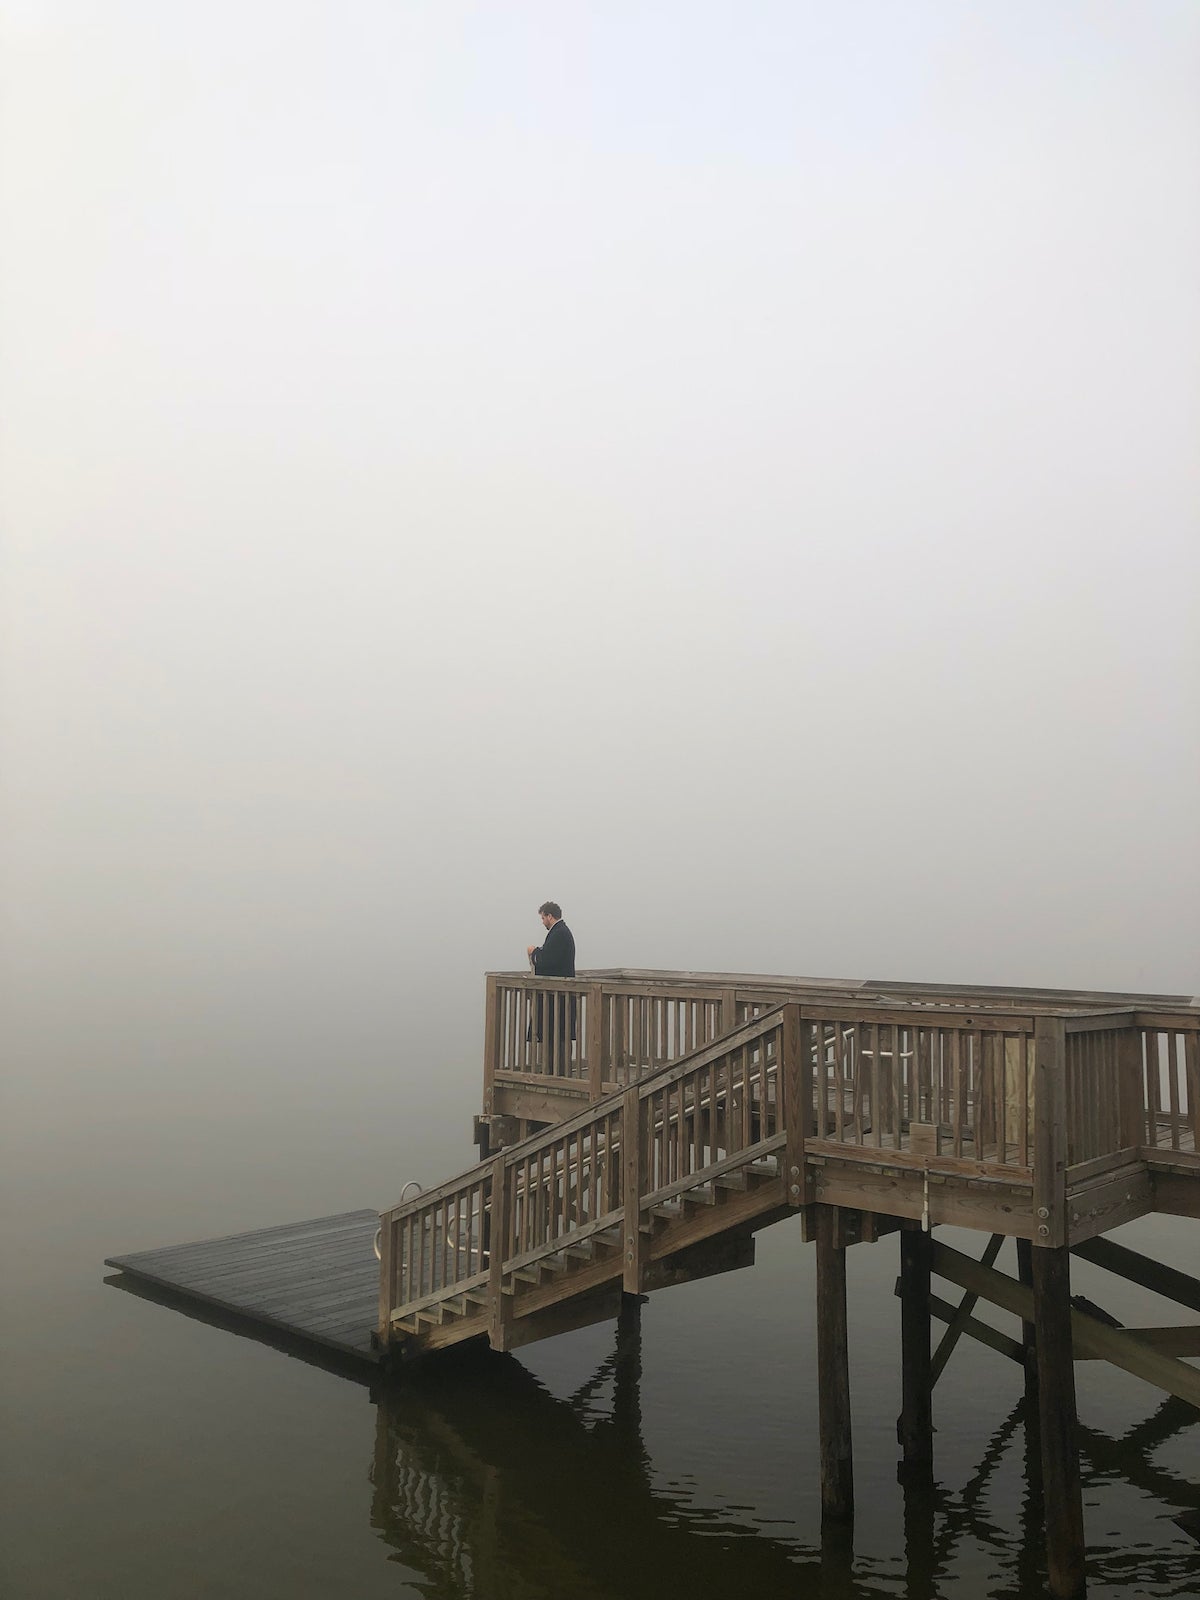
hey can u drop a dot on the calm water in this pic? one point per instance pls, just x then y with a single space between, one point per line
151 1453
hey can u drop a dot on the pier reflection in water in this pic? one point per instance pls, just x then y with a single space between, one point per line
485 1486
491 1487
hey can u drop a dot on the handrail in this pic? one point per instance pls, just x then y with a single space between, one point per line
586 1035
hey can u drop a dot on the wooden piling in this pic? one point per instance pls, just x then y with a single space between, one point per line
916 1417
833 1372
1028 1338
1061 1488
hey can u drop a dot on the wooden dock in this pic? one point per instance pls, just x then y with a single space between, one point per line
315 1281
639 1128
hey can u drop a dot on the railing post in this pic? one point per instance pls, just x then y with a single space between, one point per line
633 1175
618 1042
1049 1132
387 1277
1131 1097
595 1041
499 1307
491 1043
728 1010
794 1083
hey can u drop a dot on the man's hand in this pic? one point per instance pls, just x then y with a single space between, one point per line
529 949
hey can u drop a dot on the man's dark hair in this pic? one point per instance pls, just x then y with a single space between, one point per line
550 908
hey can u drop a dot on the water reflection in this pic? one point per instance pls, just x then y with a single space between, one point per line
487 1487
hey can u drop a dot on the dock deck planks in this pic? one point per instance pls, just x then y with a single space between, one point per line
315 1280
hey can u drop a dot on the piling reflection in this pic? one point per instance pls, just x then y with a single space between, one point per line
491 1487
487 1487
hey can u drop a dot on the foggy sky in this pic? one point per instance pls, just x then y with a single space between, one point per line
732 469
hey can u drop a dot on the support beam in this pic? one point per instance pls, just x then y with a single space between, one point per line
962 1317
981 1332
1091 1337
833 1373
915 1427
1061 1488
1142 1270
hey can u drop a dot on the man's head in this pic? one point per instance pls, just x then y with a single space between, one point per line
550 911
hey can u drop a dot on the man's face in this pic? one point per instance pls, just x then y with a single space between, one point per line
547 919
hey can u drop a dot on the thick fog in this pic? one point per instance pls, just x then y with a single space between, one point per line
731 469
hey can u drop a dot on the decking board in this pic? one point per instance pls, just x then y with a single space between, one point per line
316 1280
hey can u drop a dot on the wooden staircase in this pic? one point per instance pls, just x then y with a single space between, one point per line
656 1184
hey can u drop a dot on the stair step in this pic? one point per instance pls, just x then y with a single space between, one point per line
730 1180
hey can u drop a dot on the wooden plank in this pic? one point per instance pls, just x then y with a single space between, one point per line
989 1208
1108 1202
998 1021
945 1166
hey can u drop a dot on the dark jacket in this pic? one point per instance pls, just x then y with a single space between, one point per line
556 958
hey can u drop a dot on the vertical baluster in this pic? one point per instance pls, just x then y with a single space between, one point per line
1172 1041
1154 1083
1022 1054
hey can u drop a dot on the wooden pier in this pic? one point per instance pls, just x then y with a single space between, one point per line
639 1128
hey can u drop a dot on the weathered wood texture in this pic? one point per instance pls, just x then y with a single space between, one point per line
316 1280
916 1417
1061 1490
671 1097
833 1373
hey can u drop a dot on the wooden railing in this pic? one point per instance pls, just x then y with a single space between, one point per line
955 1086
1003 1097
556 1032
1168 1054
1132 1081
721 1108
589 1035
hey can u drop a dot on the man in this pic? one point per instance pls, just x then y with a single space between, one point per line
555 958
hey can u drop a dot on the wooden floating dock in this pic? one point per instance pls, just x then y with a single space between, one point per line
316 1281
638 1128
